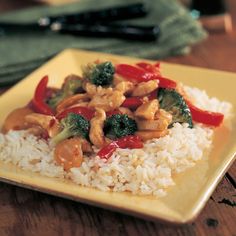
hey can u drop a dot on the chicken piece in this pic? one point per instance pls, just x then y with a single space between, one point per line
96 134
145 88
164 116
108 101
151 124
80 104
126 87
48 123
146 135
117 79
147 110
161 122
16 119
92 89
72 100
126 111
68 153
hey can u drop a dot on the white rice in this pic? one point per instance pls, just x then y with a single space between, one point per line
201 99
147 171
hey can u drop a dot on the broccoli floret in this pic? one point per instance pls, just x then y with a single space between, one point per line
70 86
119 125
171 101
72 125
99 74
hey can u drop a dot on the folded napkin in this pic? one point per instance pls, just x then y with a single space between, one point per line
22 53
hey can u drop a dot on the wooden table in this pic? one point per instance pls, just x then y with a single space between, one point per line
25 212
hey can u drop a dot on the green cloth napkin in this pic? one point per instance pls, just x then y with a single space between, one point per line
22 53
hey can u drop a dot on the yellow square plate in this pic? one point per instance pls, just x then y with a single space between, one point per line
193 187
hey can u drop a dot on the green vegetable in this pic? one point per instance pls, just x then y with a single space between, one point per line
70 86
171 101
72 125
119 125
99 74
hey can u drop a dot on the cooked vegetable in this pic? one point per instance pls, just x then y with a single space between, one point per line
152 95
134 73
68 153
118 125
72 125
205 117
132 102
70 86
107 150
86 112
166 83
174 103
150 67
143 73
131 142
163 82
114 112
39 100
99 74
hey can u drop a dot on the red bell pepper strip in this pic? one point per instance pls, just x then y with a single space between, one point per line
130 141
134 73
166 83
38 101
205 117
152 95
157 64
132 102
163 82
114 112
142 75
135 102
149 67
108 150
83 111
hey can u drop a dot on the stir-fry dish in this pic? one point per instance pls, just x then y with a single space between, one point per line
108 107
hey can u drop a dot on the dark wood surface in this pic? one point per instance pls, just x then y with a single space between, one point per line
25 212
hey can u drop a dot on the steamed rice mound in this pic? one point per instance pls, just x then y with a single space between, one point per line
147 171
